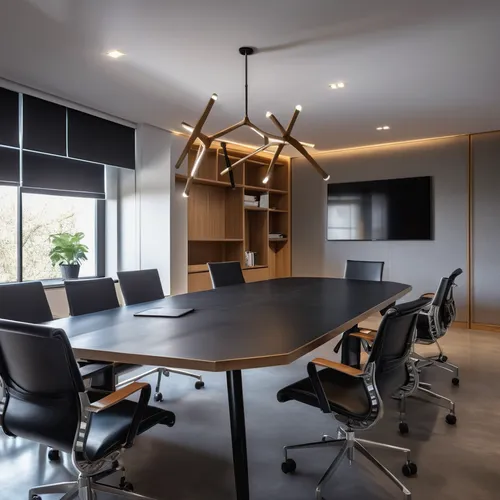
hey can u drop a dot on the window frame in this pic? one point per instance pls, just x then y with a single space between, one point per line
100 239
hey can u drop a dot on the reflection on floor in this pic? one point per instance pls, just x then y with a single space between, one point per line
192 461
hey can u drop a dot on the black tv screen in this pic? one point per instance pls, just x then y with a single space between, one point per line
392 209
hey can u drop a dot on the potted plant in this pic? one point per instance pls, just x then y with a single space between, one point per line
68 252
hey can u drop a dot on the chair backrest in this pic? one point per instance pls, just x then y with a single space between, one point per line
225 273
42 381
140 286
364 270
24 302
393 345
91 295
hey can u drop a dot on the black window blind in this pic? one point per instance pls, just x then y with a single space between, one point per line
9 118
44 126
95 139
9 166
64 176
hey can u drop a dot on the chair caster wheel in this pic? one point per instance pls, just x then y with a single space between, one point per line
455 381
126 486
451 419
199 384
288 466
403 428
443 358
158 397
409 469
54 455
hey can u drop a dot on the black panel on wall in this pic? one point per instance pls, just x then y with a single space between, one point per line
44 126
94 139
9 166
9 117
45 173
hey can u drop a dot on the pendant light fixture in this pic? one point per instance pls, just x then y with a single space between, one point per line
279 141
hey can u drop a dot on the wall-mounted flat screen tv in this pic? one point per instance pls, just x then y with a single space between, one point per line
391 209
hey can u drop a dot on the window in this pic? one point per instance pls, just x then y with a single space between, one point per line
8 233
43 215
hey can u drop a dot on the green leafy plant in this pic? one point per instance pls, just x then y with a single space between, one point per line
67 249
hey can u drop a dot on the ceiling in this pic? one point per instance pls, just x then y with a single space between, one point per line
426 68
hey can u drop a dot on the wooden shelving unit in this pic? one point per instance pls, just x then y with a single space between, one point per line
221 228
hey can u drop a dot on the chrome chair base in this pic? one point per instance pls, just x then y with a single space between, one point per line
349 445
162 372
82 489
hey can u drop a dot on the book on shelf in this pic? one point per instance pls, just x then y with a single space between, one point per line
264 200
250 258
251 203
276 236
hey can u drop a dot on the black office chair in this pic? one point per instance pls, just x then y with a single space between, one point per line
46 400
24 302
356 397
86 296
225 273
367 270
145 286
434 323
430 320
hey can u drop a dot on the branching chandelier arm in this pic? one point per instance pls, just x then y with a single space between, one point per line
269 139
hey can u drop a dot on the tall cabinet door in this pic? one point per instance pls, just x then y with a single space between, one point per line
485 264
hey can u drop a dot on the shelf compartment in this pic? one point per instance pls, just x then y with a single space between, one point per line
278 222
279 178
257 209
207 182
207 166
278 201
201 252
254 173
215 213
238 171
256 235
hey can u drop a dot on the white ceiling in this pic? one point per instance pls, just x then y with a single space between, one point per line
426 68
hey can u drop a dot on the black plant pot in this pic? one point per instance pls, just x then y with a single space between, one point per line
70 272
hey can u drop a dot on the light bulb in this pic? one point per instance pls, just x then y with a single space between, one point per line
386 127
308 144
340 85
214 97
327 178
266 180
185 195
187 127
115 54
298 107
333 86
268 114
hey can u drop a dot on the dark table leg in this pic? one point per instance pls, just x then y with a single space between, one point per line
238 433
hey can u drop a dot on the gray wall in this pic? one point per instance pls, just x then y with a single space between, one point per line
418 263
486 229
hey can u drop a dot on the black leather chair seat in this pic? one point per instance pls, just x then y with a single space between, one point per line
346 394
108 429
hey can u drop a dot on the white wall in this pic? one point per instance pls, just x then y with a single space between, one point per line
418 263
153 195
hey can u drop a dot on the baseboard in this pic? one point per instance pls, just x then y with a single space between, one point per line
460 324
485 327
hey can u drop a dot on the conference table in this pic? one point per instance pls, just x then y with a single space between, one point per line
234 328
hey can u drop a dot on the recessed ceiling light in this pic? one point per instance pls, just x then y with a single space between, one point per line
337 85
384 127
115 54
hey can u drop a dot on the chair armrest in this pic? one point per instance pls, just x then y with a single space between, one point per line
92 369
349 370
428 295
369 337
117 396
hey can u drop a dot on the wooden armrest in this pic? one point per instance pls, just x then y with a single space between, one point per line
349 370
428 295
370 337
117 396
